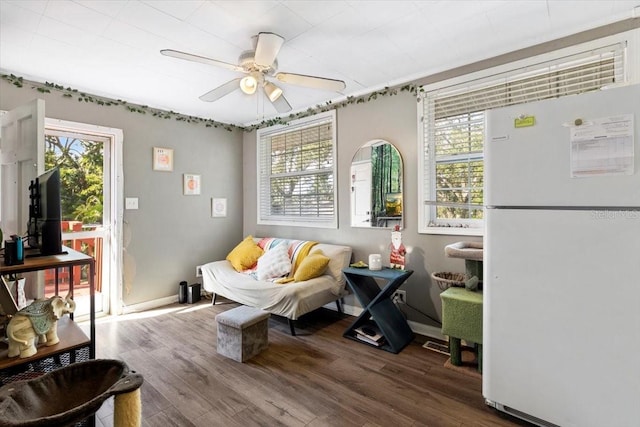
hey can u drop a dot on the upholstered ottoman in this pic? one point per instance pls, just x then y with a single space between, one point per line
243 332
462 319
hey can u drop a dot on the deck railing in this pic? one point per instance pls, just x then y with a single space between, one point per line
55 280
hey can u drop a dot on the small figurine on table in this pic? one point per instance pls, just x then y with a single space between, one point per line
398 250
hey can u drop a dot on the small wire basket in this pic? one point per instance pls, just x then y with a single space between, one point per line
446 279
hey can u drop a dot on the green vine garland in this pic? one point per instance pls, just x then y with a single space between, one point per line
163 114
134 108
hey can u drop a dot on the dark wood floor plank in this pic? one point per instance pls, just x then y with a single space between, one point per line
264 393
217 419
314 379
169 417
211 386
372 396
337 419
187 399
152 400
104 415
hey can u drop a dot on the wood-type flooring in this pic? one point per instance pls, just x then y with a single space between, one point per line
317 378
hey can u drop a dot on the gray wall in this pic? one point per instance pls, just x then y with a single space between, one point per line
170 233
394 119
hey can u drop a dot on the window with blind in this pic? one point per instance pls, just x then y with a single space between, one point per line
452 130
296 173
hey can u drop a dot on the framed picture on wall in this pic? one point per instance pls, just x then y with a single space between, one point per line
218 208
162 159
191 184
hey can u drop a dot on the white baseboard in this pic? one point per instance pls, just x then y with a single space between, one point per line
149 305
351 310
427 330
418 328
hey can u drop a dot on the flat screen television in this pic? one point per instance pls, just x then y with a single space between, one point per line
45 214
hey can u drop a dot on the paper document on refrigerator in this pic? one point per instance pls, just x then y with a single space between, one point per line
604 146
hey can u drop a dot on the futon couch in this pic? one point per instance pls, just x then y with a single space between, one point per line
257 275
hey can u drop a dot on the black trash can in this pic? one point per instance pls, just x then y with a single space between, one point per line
194 293
182 292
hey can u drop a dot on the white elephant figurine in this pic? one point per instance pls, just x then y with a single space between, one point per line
37 322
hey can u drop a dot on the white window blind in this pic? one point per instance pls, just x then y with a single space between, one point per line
453 127
297 173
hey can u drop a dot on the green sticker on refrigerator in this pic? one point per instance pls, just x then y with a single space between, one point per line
524 121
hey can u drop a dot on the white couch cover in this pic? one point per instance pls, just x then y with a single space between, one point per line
290 300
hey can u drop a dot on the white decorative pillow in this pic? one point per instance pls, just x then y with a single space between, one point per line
274 263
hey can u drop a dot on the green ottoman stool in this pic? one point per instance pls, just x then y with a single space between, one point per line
462 319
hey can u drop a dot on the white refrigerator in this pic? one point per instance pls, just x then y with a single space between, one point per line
562 260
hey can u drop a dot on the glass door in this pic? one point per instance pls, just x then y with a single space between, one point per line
82 159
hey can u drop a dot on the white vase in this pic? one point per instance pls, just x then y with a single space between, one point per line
16 288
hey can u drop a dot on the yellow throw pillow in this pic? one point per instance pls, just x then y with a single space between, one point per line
313 265
245 254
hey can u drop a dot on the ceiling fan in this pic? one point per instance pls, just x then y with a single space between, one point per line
259 65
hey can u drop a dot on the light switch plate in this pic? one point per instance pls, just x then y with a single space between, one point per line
131 203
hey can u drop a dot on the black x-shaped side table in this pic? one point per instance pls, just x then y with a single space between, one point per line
378 305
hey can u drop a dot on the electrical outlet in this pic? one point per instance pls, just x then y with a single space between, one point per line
400 297
198 271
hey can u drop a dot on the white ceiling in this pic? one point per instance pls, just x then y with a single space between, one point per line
112 47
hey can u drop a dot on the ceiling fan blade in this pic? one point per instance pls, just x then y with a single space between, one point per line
267 48
220 91
201 59
311 81
281 104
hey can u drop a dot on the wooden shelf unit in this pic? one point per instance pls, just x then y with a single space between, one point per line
72 338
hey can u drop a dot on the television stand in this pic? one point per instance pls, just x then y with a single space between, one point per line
29 254
74 345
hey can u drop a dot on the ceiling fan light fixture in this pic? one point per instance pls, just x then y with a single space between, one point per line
249 84
257 65
272 91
